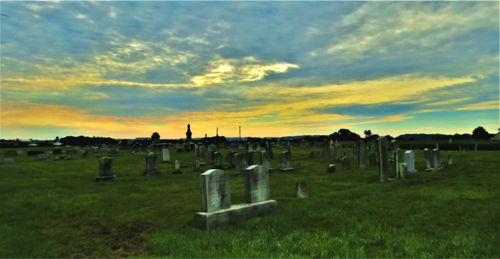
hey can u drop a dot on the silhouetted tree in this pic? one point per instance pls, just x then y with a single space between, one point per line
480 133
344 135
155 137
367 133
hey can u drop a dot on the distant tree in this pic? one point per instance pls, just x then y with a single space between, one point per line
368 133
344 135
57 138
480 133
155 137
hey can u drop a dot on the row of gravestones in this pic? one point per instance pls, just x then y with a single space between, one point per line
236 160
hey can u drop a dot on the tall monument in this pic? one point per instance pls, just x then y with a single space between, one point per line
188 133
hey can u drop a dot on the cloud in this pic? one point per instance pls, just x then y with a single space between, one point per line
415 26
487 105
247 69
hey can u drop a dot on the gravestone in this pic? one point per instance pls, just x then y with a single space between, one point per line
409 161
301 190
177 167
346 163
339 152
217 160
383 165
230 159
286 161
197 166
429 162
250 158
330 169
436 154
34 152
264 160
165 155
372 158
269 149
43 156
215 193
105 169
11 153
216 198
402 171
151 165
241 163
326 151
256 184
311 155
7 160
450 160
362 154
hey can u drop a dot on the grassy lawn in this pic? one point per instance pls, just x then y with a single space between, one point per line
56 209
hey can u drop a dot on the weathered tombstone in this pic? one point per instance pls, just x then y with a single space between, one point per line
256 184
362 154
339 152
34 152
269 149
395 159
165 155
429 162
105 169
230 159
326 151
286 161
177 167
67 154
215 194
301 190
450 160
475 146
402 171
7 160
346 163
437 158
11 153
330 169
197 166
241 163
250 158
264 160
372 159
410 162
151 166
217 160
43 156
216 198
383 166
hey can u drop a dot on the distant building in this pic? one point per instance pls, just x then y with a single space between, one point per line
188 133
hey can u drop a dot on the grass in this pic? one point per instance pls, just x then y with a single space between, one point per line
56 209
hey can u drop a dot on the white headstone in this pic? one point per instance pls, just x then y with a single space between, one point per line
215 193
166 155
410 161
256 184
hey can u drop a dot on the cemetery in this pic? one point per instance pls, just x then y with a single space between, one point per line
218 200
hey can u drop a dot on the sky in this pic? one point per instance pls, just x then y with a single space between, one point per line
128 69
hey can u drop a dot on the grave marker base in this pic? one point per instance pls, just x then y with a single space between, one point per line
105 178
211 220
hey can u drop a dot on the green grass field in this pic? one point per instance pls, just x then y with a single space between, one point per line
56 209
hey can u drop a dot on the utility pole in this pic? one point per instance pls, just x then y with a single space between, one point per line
240 133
